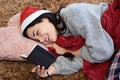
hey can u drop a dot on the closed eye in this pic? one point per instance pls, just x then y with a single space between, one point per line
34 33
37 33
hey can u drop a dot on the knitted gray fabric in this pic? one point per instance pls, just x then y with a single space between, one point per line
84 19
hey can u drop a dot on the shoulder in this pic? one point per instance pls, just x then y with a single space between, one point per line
78 8
79 5
71 9
82 6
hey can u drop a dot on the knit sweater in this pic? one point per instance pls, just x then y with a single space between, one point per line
84 19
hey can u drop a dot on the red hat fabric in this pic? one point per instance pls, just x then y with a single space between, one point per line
29 14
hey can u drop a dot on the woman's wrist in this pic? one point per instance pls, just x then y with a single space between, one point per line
51 70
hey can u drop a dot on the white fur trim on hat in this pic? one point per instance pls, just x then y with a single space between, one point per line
31 18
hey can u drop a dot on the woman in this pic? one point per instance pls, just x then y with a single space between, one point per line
77 19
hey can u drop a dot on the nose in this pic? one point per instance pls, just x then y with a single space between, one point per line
40 39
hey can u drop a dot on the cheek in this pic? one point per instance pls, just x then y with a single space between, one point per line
55 35
42 31
29 33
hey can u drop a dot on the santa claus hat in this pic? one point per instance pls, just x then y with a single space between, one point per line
29 14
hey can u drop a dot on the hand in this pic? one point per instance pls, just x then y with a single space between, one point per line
42 72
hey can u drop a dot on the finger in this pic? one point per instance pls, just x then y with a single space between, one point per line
34 69
42 70
38 69
38 66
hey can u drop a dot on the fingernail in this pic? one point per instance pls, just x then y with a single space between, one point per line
43 67
39 66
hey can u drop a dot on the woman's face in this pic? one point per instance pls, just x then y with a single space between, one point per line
44 32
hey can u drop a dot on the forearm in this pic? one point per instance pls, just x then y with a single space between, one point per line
65 66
